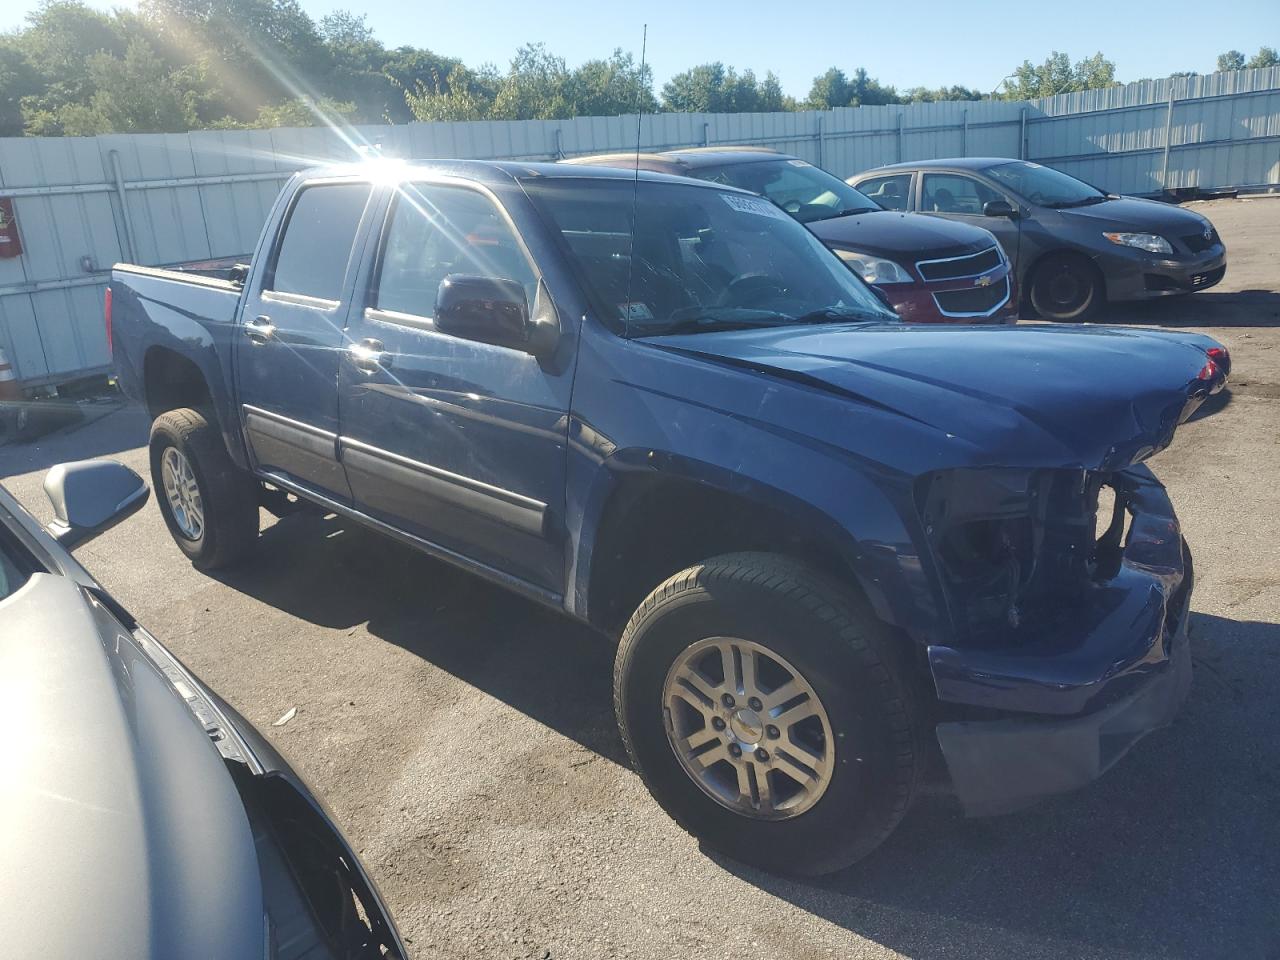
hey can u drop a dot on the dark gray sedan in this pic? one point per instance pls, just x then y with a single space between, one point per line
1073 246
140 817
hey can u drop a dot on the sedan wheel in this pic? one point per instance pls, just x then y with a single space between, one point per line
1065 289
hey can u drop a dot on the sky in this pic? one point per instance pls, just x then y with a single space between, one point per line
927 43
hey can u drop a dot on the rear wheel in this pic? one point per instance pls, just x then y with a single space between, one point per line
757 700
209 504
1066 288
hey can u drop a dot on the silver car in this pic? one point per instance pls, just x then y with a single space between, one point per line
143 818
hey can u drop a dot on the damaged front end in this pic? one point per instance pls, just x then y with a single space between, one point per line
1068 591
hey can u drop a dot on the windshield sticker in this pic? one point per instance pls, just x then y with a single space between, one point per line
756 205
799 163
635 311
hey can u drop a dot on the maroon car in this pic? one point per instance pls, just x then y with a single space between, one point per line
930 270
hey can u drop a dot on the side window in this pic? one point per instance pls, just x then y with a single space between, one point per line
318 236
892 192
953 193
436 231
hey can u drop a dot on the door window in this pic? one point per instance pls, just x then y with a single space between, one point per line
953 193
438 230
318 236
890 192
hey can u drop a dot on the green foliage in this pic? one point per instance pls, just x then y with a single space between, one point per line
172 65
1265 57
1231 60
1058 75
835 89
954 92
715 88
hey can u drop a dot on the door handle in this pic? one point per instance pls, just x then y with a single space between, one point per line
368 355
259 329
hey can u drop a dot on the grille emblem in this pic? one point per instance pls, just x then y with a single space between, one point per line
1208 232
983 281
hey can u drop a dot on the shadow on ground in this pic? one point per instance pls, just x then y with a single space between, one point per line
1210 308
1173 853
335 574
91 429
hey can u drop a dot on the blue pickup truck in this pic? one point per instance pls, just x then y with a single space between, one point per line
843 555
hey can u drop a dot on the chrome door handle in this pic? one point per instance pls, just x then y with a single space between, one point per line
368 355
259 329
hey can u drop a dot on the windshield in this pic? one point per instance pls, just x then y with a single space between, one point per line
704 259
803 190
1044 185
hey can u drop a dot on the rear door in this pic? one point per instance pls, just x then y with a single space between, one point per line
959 197
456 442
291 333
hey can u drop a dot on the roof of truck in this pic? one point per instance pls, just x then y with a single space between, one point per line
497 171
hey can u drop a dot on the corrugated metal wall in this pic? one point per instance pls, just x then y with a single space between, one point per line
206 194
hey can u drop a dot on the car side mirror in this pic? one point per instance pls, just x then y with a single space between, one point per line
90 497
492 310
999 208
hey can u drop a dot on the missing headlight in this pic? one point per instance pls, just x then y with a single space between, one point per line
1016 547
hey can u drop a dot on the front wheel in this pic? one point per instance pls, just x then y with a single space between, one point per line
758 702
1065 288
209 504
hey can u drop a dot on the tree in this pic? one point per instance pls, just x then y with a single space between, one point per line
1231 60
1058 75
136 93
835 89
1265 57
536 87
303 112
459 94
606 88
954 92
715 88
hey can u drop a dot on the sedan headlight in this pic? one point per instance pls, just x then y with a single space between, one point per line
874 269
1150 242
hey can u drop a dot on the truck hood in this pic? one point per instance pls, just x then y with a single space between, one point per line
905 236
124 836
1092 397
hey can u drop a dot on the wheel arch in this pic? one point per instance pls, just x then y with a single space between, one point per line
645 521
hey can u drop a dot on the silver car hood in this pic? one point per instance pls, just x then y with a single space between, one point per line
123 833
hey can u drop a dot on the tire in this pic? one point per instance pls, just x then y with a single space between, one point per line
1066 288
826 634
227 497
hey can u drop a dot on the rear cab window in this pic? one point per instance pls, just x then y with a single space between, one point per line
315 248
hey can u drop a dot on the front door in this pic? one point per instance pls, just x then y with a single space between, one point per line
457 442
290 337
955 196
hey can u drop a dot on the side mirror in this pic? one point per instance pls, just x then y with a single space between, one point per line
484 309
999 208
496 311
90 497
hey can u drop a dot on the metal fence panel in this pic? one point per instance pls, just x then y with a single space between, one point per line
207 193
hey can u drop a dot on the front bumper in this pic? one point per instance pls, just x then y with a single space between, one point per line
1142 277
1072 702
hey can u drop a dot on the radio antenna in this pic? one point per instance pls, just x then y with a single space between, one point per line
635 190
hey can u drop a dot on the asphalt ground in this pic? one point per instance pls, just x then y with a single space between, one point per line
464 737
